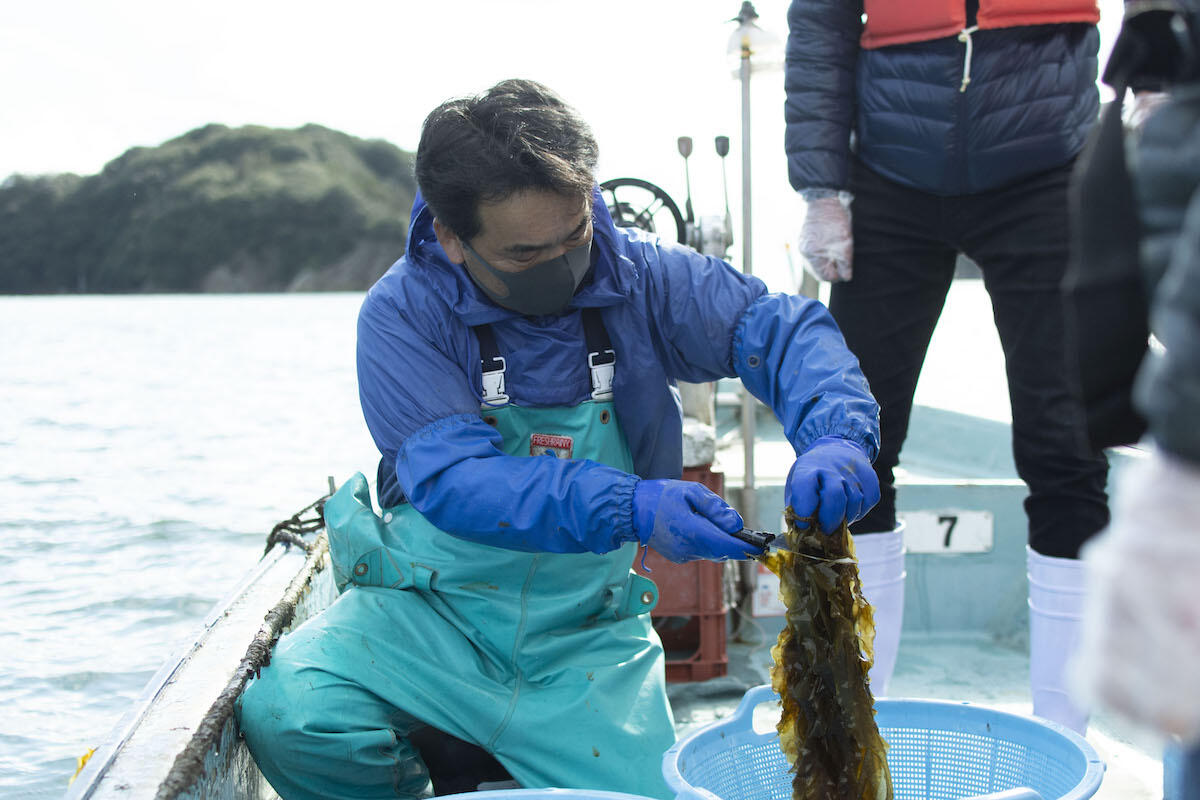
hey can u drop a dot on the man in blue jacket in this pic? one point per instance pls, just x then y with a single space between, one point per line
965 118
516 371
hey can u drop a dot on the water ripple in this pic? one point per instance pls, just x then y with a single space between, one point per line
133 499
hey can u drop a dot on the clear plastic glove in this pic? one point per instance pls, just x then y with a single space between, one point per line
685 521
1141 630
833 480
826 242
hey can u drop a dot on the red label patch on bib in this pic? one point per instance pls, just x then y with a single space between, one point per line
547 444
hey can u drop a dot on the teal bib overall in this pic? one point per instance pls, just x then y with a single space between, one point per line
548 661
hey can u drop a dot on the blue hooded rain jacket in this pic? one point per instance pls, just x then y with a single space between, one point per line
671 314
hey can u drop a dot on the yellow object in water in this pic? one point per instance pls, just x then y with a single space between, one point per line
80 763
828 729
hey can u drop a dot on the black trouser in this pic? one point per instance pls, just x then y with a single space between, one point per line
905 246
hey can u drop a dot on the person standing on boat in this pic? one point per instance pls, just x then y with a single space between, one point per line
516 370
934 128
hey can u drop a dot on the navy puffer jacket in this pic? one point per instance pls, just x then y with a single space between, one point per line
1028 107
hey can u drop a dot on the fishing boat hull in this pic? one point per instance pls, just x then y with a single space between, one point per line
181 740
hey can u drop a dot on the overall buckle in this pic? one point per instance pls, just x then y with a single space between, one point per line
602 364
493 384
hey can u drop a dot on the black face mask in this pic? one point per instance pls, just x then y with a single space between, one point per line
544 288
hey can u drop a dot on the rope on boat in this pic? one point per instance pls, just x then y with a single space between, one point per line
189 764
293 529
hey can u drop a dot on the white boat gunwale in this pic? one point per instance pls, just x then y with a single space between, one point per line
194 742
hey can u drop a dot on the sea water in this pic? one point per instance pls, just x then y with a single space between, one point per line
147 446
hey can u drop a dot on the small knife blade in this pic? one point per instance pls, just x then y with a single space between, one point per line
765 540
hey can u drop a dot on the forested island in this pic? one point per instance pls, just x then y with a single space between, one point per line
219 209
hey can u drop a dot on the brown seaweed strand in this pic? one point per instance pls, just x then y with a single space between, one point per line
827 728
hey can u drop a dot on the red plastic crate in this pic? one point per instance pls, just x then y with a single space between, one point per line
690 615
695 649
696 587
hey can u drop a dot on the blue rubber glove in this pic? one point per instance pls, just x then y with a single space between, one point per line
833 479
685 521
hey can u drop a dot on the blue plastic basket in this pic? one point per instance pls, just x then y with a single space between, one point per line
937 750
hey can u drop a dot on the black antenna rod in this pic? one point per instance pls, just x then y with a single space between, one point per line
685 150
722 143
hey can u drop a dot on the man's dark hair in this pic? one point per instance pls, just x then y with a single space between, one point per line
517 135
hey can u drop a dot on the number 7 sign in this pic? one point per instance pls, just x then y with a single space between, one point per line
948 530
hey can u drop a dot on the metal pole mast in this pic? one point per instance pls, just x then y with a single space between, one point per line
749 501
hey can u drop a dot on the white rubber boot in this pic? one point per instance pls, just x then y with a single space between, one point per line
1056 591
881 570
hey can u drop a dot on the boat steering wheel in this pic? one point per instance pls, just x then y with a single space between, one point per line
643 205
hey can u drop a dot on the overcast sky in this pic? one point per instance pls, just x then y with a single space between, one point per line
84 80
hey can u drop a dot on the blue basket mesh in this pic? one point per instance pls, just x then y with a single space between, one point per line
936 751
